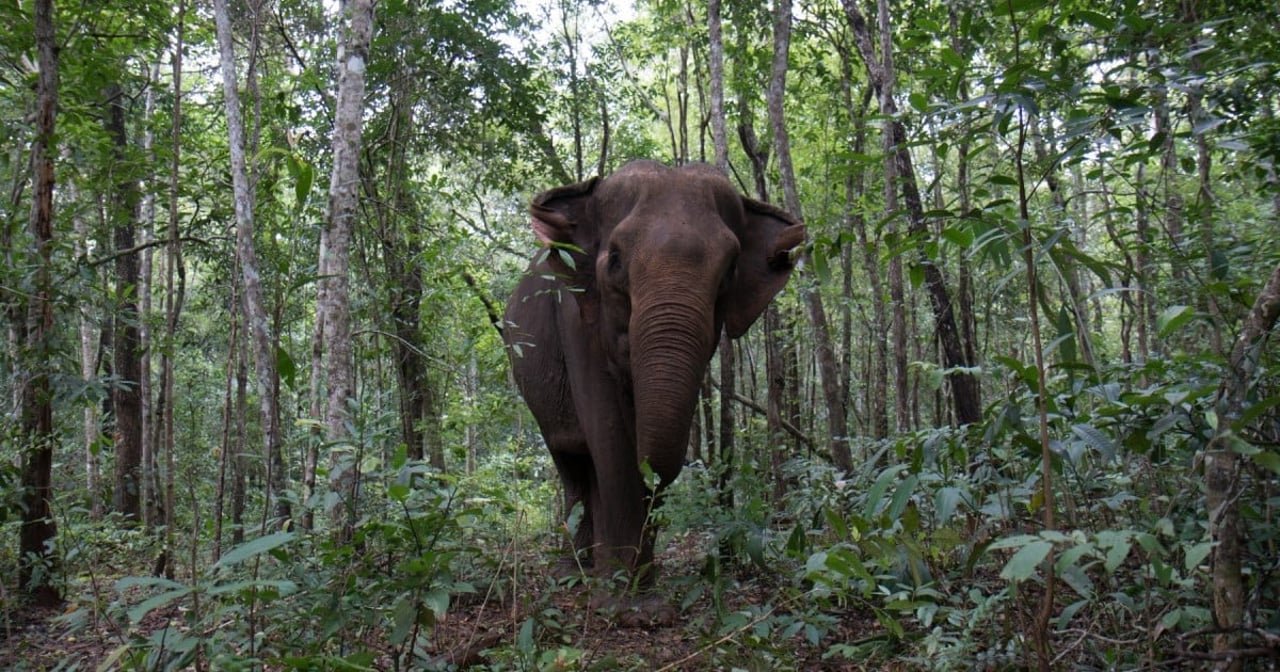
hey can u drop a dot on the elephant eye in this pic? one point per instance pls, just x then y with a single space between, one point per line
615 263
730 275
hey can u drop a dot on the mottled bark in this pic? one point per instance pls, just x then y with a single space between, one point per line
36 557
122 212
829 371
344 190
715 63
966 393
1225 468
256 316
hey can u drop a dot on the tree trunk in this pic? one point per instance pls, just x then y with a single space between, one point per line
89 363
966 393
715 63
255 309
35 539
174 293
402 252
1224 471
227 445
829 371
775 384
127 363
344 191
240 446
728 428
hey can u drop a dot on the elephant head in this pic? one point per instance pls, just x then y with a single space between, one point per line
623 309
659 260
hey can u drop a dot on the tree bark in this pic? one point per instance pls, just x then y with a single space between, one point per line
255 309
728 438
126 350
829 370
344 191
401 233
35 538
966 393
715 63
175 292
1224 470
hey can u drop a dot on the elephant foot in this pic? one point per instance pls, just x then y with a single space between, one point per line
644 611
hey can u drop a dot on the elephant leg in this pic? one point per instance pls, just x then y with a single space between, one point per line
576 476
620 515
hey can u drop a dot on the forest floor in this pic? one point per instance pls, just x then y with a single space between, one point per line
488 632
694 640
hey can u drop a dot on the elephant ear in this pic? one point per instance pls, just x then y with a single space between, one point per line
563 222
767 238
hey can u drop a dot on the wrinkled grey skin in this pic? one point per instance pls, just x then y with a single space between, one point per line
609 346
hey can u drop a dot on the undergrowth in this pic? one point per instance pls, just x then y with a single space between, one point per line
929 555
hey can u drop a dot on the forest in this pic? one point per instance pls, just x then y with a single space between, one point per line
1014 407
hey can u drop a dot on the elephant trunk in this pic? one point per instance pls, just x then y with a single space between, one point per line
671 341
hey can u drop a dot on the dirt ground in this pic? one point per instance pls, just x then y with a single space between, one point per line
487 632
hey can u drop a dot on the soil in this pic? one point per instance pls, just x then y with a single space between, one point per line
565 631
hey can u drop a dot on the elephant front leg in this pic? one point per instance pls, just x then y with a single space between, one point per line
576 477
620 504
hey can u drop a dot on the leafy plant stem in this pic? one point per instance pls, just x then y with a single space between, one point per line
1041 626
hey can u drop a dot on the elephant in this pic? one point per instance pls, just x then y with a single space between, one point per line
611 330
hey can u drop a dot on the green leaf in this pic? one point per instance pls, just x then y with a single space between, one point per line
140 611
254 547
945 503
286 366
1116 555
1026 562
951 58
1096 439
147 582
1010 7
303 175
404 615
1267 459
1172 318
876 493
919 101
902 495
1196 554
279 586
1098 20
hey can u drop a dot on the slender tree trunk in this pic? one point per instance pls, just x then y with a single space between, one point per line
315 436
966 393
344 191
126 395
715 61
35 539
255 308
829 371
775 384
402 252
728 428
240 453
1225 470
89 362
149 433
174 293
227 445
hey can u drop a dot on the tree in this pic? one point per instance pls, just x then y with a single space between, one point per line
966 394
334 303
250 276
126 404
39 530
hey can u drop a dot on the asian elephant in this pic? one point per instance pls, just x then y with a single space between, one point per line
611 329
